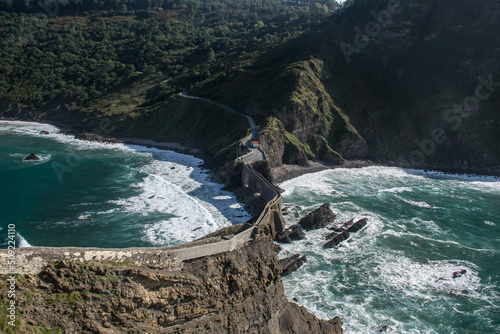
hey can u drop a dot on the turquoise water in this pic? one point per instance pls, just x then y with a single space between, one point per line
396 276
104 195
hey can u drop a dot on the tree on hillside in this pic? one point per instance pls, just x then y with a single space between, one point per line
210 55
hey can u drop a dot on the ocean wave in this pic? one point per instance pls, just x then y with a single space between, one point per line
396 190
419 204
382 279
415 279
27 128
21 241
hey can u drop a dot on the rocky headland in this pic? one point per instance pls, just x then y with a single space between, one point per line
149 291
226 282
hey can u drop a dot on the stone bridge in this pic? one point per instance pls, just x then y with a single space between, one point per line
269 195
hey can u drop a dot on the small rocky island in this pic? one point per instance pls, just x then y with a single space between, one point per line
32 156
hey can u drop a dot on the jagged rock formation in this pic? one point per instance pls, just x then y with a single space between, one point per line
342 232
318 218
292 263
357 226
337 239
408 83
238 291
290 234
228 281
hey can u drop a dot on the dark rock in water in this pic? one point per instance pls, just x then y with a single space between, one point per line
342 233
357 225
459 273
337 240
32 156
319 218
383 328
331 235
43 132
292 263
173 167
292 233
341 227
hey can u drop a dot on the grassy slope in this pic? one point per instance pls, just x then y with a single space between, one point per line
314 99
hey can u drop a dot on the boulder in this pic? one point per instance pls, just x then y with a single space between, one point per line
292 233
337 240
339 228
32 156
43 132
319 218
357 226
459 273
292 263
332 235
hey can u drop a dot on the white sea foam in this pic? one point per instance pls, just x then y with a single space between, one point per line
419 204
22 242
27 128
396 190
33 129
222 197
174 184
84 216
428 225
459 177
380 277
415 279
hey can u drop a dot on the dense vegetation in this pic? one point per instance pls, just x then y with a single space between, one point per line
76 50
282 62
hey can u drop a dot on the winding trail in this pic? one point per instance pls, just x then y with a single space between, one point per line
256 154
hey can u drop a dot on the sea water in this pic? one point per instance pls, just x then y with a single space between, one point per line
397 275
90 194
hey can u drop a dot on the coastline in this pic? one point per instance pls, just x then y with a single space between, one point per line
162 154
279 174
69 130
288 172
253 291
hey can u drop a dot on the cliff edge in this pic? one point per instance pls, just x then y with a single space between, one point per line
149 291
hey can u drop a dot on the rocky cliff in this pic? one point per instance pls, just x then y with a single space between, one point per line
238 291
402 82
420 80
